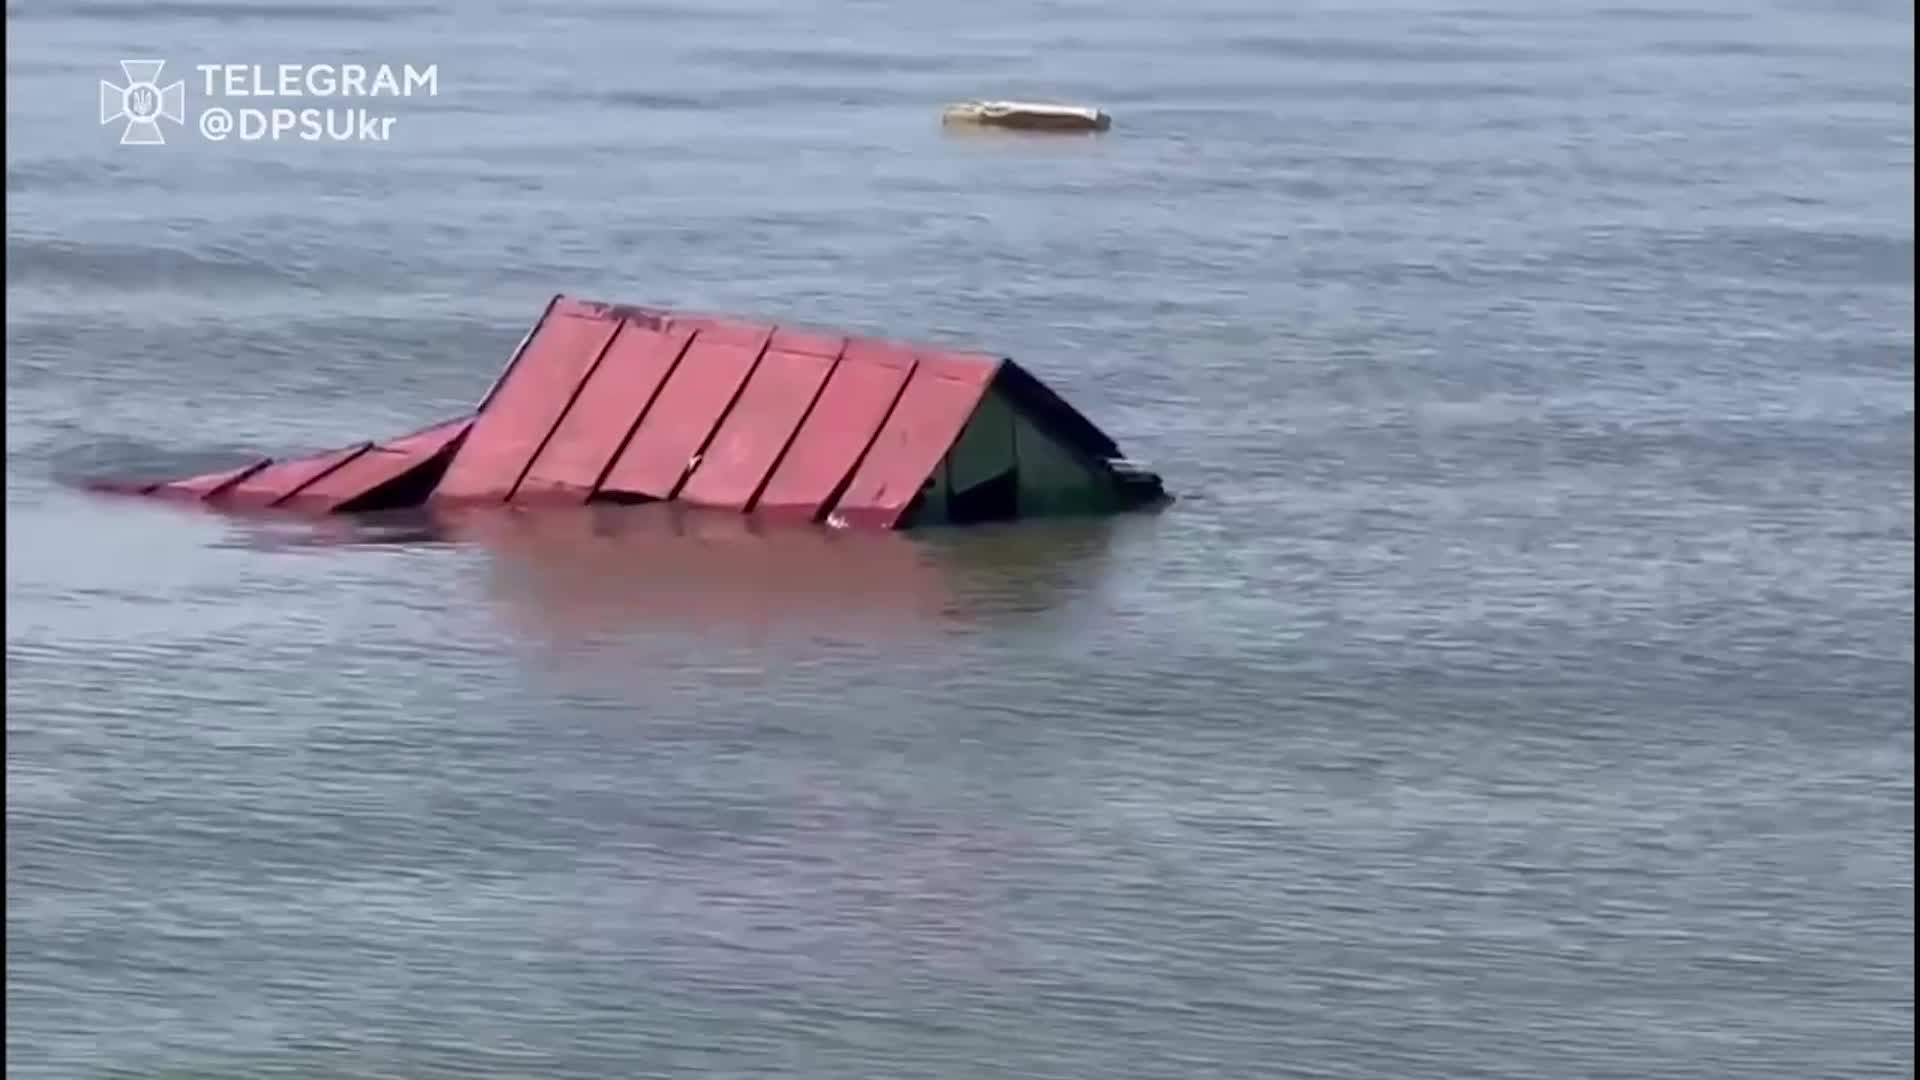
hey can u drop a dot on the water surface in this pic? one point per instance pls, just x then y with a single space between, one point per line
1521 687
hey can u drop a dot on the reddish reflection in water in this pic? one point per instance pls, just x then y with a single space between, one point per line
572 571
576 572
601 567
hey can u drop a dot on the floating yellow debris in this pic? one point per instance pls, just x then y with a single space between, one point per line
1026 116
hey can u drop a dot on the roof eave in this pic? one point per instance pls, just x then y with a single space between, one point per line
1053 413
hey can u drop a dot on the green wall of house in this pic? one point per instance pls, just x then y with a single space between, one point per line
998 438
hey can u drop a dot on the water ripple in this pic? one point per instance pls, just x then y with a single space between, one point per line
1521 686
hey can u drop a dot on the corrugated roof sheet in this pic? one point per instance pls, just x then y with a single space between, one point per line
619 401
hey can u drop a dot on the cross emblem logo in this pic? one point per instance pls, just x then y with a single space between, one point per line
143 102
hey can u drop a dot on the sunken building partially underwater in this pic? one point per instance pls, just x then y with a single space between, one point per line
613 403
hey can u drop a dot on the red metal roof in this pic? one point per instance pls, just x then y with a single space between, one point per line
208 485
355 481
743 450
615 401
276 482
680 421
849 412
932 410
334 480
525 408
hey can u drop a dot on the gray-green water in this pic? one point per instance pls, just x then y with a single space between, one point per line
1521 688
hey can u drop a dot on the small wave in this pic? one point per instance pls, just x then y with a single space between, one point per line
1412 51
1712 48
407 528
722 100
172 10
840 61
63 175
655 15
1674 14
119 266
1779 256
1392 91
133 462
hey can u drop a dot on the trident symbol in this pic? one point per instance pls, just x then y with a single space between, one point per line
143 102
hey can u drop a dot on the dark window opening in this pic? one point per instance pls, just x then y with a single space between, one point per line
997 499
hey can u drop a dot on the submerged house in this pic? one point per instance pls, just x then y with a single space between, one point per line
606 402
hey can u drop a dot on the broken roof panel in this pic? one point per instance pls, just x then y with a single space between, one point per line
284 478
357 483
525 409
208 485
